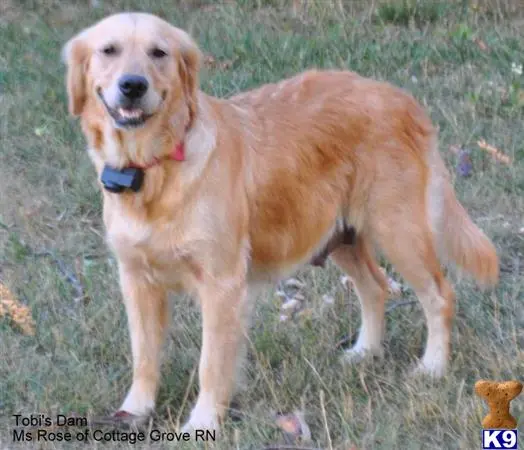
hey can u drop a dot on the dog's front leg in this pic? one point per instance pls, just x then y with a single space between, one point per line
224 315
147 315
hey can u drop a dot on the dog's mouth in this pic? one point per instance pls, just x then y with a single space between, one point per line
126 116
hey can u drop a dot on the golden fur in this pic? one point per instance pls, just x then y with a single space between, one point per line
270 175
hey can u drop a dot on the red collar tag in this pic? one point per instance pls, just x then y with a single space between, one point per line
179 153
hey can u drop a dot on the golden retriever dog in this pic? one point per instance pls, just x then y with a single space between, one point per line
217 197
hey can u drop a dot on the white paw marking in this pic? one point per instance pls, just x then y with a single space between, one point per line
138 403
201 420
434 369
358 353
203 416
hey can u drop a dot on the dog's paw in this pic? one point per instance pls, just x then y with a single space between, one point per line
138 402
201 419
357 354
433 370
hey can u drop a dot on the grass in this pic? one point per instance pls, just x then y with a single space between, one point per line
455 57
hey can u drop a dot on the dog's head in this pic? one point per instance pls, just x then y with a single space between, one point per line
136 67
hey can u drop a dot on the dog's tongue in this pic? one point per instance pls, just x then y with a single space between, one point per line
130 113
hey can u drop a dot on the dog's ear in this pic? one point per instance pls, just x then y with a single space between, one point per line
189 68
74 54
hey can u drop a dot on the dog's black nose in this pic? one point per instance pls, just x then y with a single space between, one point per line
133 86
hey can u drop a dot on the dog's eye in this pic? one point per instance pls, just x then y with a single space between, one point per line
157 53
109 50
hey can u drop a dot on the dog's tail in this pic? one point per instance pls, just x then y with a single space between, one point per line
459 240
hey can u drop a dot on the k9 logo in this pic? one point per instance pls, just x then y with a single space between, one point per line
503 439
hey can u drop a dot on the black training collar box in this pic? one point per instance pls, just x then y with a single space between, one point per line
115 180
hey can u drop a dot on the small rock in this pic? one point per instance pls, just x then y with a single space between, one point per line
281 294
291 304
294 283
328 299
344 280
516 68
395 288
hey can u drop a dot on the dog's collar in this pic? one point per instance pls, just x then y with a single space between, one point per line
132 176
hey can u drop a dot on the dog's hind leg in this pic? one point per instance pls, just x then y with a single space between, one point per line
358 262
410 248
